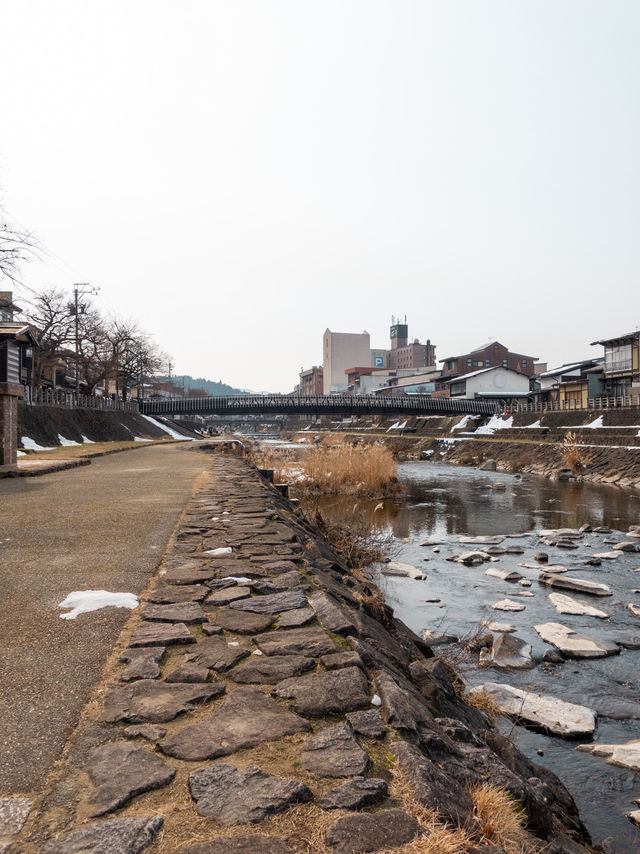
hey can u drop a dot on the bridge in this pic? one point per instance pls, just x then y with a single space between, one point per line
338 404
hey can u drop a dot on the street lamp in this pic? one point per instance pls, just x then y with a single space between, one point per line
80 289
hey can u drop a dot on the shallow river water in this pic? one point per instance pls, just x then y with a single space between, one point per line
443 502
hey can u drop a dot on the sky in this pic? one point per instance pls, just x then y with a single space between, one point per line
239 176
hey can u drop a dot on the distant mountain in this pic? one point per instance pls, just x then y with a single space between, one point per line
210 386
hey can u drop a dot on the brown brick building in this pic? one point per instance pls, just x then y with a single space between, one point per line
491 355
311 381
405 355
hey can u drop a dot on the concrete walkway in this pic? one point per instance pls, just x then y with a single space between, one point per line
101 527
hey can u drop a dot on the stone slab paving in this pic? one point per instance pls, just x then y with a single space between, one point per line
298 662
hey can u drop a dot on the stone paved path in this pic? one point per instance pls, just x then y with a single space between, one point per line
103 526
253 732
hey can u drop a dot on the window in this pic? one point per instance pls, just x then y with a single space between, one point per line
451 366
487 363
617 357
504 363
469 363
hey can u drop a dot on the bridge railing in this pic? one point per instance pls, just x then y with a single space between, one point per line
347 404
68 399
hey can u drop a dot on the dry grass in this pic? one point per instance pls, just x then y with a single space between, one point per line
355 537
483 701
438 837
501 819
571 454
347 468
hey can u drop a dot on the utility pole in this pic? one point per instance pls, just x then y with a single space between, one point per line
80 289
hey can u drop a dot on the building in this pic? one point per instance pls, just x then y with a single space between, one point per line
311 381
17 343
622 365
497 383
490 355
405 355
573 384
342 350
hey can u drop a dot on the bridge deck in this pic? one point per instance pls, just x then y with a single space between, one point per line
319 404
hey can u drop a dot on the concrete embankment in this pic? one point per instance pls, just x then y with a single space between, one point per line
46 426
335 725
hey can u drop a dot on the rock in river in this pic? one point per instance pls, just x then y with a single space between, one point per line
567 605
508 651
403 570
565 582
557 716
503 574
507 605
573 646
626 755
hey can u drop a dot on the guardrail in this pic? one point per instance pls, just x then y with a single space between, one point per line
68 399
577 405
319 405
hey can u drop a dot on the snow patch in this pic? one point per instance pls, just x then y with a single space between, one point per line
495 423
82 601
173 433
140 439
66 442
239 579
462 423
226 550
595 425
30 445
86 440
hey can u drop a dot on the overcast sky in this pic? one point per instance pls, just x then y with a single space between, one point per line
239 176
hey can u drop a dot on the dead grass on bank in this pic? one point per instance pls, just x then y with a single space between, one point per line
355 537
501 819
346 468
571 453
336 465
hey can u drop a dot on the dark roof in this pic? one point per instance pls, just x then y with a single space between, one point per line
628 336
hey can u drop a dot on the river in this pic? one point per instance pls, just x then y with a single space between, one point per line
443 502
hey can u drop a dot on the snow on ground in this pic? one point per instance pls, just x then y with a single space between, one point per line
535 426
140 439
595 425
494 424
463 422
66 442
21 454
86 440
173 433
82 601
397 426
30 445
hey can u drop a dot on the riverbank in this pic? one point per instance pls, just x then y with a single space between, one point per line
255 645
597 446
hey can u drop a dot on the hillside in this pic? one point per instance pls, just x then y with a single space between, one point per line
210 386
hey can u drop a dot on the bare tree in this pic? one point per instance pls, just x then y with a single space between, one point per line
17 246
49 315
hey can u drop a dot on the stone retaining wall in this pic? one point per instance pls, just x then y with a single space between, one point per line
262 700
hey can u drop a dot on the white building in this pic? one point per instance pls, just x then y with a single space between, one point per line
497 383
342 350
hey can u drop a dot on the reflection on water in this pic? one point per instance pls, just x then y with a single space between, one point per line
443 502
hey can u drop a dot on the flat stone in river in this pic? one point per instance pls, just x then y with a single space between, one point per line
565 582
626 755
572 645
508 605
567 605
557 716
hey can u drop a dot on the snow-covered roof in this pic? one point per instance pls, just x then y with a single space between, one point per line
461 377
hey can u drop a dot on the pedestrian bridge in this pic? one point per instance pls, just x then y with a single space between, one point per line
338 404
